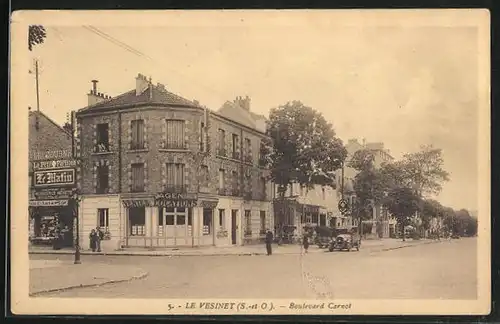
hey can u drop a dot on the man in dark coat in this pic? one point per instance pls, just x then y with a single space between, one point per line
269 242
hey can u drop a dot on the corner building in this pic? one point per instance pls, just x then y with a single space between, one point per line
159 170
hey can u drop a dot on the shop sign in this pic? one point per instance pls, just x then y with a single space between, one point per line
208 204
49 203
54 164
175 196
52 193
186 203
62 177
132 203
47 155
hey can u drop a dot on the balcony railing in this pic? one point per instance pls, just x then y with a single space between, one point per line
174 146
247 158
175 188
236 155
247 196
221 152
101 148
222 191
137 146
235 192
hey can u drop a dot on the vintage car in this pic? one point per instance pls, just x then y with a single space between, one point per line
323 236
345 242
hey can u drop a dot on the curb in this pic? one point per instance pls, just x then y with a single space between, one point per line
141 276
210 254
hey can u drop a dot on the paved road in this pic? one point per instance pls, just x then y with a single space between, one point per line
444 270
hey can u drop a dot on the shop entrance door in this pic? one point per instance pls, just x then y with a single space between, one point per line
234 225
174 226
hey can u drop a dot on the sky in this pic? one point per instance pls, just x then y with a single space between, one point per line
402 85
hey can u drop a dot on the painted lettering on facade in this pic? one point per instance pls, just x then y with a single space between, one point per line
46 155
54 164
62 177
52 193
49 203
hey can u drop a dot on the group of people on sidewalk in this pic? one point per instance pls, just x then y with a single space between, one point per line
96 236
270 238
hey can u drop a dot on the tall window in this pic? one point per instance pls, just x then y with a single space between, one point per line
207 221
204 176
221 147
103 218
221 218
248 222
248 150
236 153
175 134
202 137
262 187
137 177
137 134
102 138
262 222
222 185
235 183
102 179
137 221
175 177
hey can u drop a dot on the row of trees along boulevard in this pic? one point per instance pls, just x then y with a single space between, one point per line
405 187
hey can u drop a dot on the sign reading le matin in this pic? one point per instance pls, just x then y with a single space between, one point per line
54 178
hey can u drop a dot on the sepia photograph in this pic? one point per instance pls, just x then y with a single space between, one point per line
280 162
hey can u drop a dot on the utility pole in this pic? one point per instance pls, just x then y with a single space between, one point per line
37 89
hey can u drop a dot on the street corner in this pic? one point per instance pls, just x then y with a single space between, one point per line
48 279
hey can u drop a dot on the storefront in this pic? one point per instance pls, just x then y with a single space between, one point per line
168 220
52 207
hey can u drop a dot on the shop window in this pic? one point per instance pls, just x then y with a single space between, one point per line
103 218
315 219
102 179
137 177
175 134
169 220
322 220
262 222
248 222
175 178
190 217
102 138
207 221
221 218
181 219
137 128
137 221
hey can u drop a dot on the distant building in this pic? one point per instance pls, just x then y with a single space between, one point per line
159 170
382 223
317 206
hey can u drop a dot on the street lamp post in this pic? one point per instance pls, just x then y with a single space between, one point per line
76 198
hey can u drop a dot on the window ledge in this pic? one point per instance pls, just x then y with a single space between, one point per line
228 158
102 153
182 150
138 150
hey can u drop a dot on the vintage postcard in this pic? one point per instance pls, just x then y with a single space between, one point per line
270 162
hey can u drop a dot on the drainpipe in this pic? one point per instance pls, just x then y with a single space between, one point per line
123 238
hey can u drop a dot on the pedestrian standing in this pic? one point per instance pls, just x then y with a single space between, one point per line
100 237
305 242
269 242
93 240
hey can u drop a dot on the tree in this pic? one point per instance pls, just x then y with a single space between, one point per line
424 169
430 209
36 35
304 147
402 202
369 185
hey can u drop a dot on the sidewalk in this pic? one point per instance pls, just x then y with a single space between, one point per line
55 275
378 245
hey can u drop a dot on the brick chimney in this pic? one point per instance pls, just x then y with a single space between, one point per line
243 102
95 97
141 84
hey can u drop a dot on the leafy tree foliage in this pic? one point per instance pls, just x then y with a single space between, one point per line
402 202
304 147
36 35
425 170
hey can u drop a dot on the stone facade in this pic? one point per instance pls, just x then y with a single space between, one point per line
240 188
